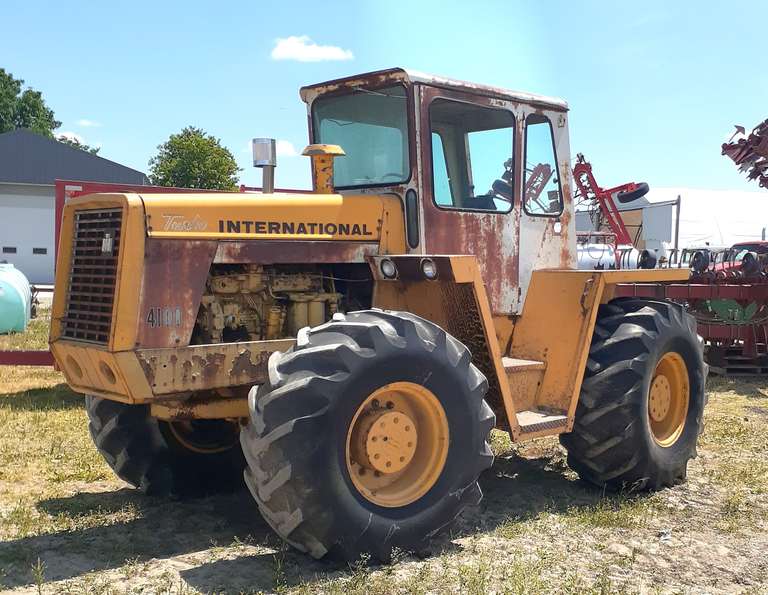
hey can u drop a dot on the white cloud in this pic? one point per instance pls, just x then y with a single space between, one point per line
285 148
71 136
88 123
302 49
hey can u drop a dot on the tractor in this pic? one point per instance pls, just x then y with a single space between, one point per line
347 350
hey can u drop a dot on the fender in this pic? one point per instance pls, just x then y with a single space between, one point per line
534 369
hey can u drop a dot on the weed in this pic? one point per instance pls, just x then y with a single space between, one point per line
38 573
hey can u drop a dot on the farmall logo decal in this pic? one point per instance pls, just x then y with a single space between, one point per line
182 223
292 228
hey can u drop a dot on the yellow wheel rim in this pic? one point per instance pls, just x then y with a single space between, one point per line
205 436
397 444
668 399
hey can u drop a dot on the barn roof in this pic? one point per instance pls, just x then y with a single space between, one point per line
30 158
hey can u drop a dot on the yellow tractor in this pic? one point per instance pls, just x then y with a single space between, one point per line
349 349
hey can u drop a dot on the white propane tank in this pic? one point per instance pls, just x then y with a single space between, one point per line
592 256
15 300
637 259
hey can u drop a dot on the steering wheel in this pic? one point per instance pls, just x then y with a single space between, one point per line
397 175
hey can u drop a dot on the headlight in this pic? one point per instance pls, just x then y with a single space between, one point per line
429 268
388 268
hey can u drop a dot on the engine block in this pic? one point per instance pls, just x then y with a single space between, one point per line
254 303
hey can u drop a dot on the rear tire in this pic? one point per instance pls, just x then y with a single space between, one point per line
157 458
622 438
297 442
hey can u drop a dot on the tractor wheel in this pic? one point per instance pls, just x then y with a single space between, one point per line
369 435
640 410
177 459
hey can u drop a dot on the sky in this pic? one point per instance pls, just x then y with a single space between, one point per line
654 88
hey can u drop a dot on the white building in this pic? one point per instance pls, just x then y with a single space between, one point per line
29 165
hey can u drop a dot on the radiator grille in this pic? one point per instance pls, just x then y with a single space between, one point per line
93 275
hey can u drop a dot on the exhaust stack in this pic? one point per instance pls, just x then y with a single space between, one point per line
322 166
265 157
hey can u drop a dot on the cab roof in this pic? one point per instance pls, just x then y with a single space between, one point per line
411 77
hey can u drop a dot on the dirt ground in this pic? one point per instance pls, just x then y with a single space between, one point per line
67 525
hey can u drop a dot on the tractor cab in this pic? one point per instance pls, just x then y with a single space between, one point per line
480 170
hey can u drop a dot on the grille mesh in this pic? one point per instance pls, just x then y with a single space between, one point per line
92 275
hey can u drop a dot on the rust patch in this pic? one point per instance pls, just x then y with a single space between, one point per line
173 371
243 365
174 279
491 237
186 372
149 369
287 252
567 254
212 364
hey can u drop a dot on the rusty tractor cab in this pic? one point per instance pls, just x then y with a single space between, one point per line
351 348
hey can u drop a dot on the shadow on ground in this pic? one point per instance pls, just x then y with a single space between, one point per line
55 398
516 489
742 387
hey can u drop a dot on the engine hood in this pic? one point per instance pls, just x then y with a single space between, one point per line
281 216
239 216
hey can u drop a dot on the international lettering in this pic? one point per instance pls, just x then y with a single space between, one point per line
230 226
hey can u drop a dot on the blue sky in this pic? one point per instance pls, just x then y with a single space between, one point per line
654 87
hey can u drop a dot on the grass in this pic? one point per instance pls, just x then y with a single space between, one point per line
67 525
35 337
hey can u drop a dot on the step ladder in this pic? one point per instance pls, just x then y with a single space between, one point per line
535 420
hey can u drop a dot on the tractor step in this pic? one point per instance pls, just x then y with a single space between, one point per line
512 365
536 421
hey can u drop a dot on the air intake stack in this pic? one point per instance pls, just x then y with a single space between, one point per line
265 157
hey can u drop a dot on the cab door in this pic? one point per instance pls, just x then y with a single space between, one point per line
470 174
547 225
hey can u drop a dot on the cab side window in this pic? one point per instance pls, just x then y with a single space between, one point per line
541 184
472 156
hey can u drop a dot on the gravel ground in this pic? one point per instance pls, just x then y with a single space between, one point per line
67 525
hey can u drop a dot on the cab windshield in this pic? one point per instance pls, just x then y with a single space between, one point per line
372 128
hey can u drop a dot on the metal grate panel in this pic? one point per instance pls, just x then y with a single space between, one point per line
93 275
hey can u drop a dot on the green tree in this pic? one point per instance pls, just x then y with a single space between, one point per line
194 159
24 108
73 142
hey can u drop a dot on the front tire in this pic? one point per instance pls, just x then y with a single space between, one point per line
642 400
315 468
170 459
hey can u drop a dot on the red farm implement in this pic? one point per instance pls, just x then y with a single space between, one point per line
728 295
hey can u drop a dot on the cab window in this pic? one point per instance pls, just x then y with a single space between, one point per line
472 156
371 126
541 184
